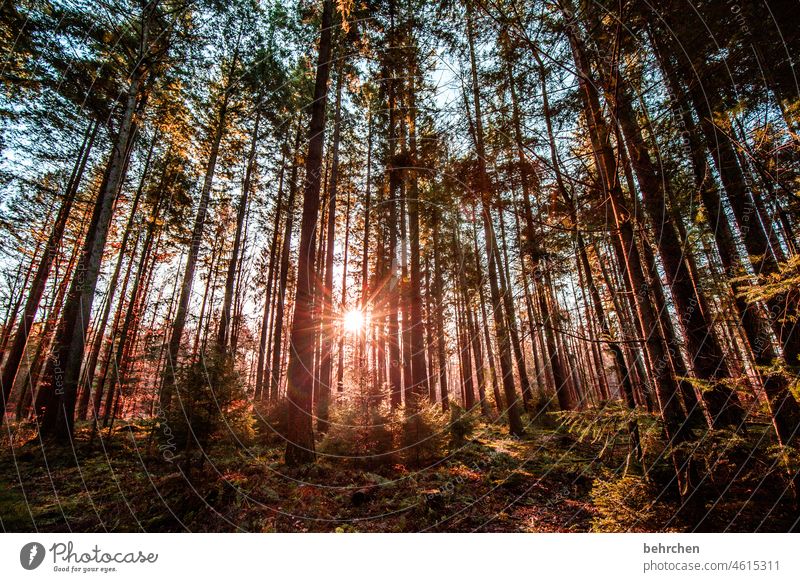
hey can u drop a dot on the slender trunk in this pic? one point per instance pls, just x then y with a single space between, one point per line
501 326
20 337
464 344
475 339
430 344
419 373
275 366
340 369
300 432
464 353
224 332
328 327
390 286
438 291
182 310
365 295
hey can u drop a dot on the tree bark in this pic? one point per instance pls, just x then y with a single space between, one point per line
300 432
483 186
328 327
275 366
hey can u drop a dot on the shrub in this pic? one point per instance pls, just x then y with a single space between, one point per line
374 436
424 431
360 435
723 456
462 425
271 421
625 504
210 405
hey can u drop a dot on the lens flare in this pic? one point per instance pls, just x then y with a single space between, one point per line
353 321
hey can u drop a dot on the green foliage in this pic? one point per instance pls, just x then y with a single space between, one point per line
424 433
370 437
210 405
462 425
794 388
774 285
784 459
360 435
609 426
271 424
625 504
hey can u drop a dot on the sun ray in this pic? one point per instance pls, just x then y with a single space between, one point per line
353 321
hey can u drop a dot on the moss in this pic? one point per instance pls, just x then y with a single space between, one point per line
15 515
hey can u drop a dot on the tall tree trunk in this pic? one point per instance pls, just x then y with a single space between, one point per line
464 353
501 325
390 285
405 299
419 372
438 292
328 328
340 368
275 366
475 339
430 343
365 300
462 310
300 432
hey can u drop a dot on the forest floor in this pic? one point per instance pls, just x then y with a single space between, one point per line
547 481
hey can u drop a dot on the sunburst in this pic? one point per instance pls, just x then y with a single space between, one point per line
353 321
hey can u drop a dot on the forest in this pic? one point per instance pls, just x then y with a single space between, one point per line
399 266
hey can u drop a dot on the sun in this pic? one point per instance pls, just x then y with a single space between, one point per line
353 321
